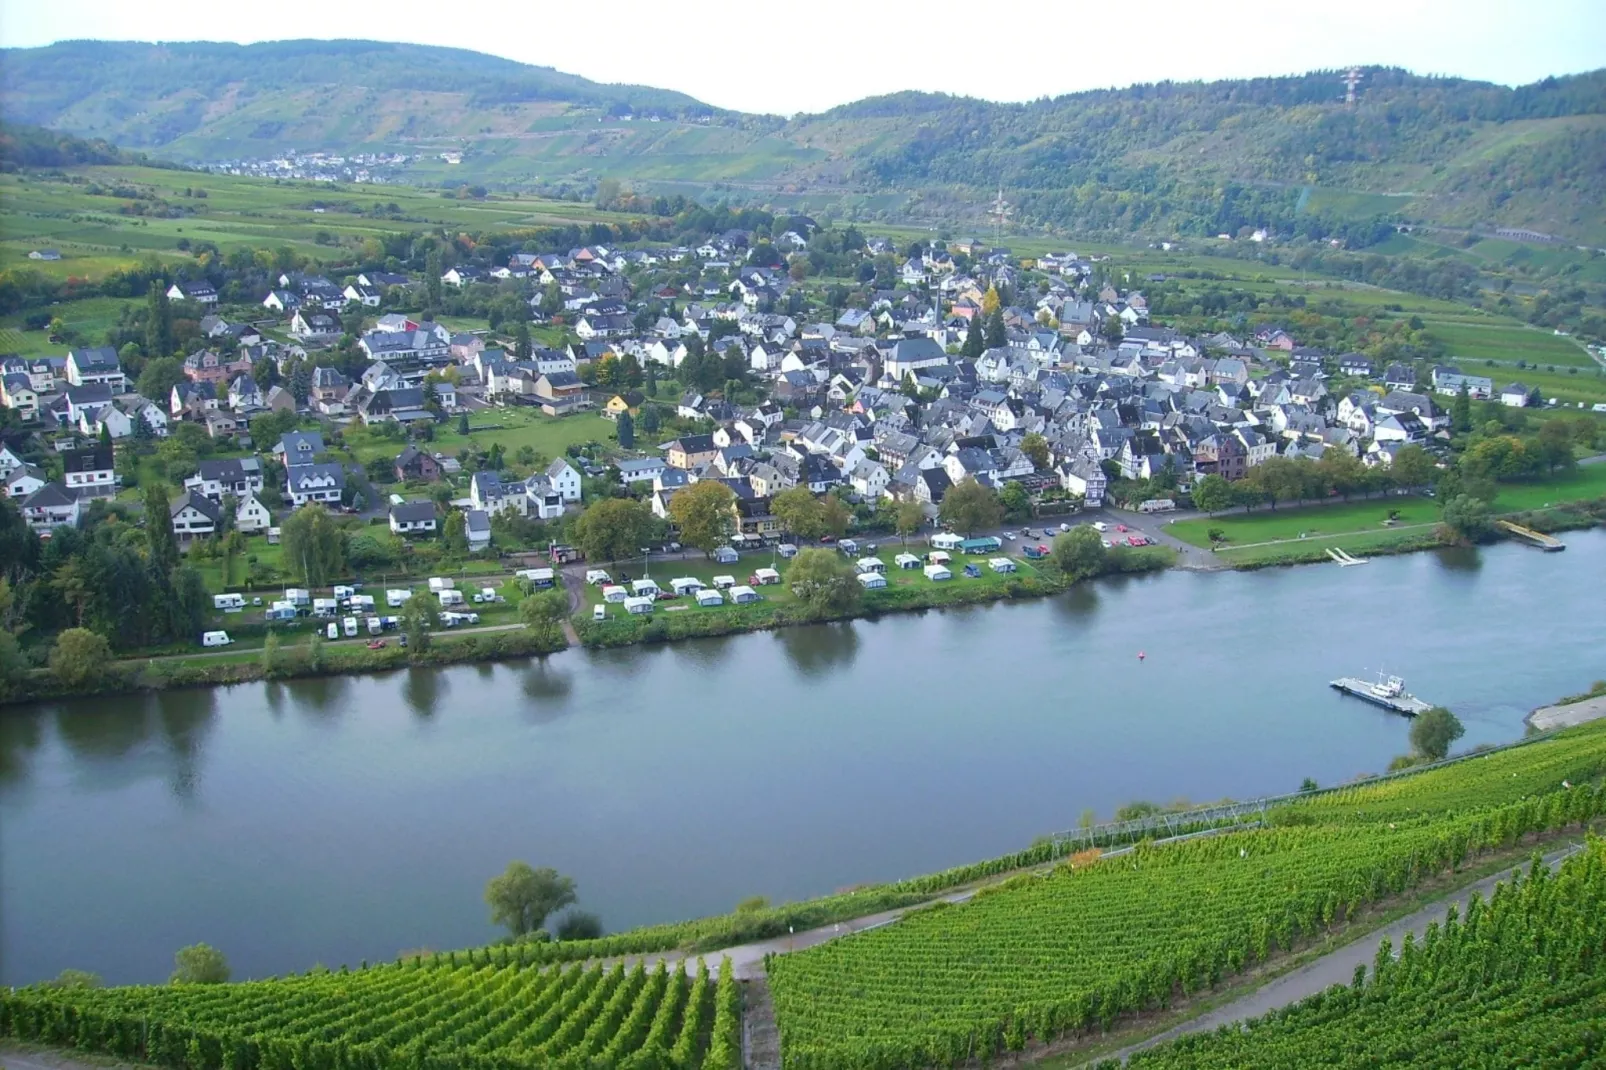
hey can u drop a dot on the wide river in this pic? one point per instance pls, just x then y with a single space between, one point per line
336 820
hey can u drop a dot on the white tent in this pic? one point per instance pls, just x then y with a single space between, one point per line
1001 564
639 605
687 585
938 572
908 561
872 581
613 593
710 597
743 594
870 564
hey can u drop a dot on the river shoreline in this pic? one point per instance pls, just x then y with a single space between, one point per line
127 677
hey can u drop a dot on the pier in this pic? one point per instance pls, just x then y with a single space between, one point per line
1548 543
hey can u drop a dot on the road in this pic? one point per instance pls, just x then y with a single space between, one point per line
1334 968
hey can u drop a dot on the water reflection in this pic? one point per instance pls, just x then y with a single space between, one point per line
707 653
820 648
319 698
1460 558
20 734
422 690
548 688
625 660
105 730
274 692
186 719
1078 603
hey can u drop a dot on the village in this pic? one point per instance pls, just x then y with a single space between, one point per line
1039 379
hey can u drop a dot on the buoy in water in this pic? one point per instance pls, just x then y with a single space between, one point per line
1141 655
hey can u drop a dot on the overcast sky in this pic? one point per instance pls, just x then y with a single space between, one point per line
789 57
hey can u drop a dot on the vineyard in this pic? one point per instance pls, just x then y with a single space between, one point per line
404 1017
1042 958
1521 981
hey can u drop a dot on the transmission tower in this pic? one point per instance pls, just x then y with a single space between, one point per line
1352 78
1000 215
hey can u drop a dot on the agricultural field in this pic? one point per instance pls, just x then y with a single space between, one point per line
474 1015
1486 338
1514 982
88 318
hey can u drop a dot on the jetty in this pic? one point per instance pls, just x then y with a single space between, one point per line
1568 714
1548 543
1343 557
1388 692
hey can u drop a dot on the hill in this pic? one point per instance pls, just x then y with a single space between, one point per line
1166 158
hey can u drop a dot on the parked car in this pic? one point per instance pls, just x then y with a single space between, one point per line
828 538
1120 527
1009 535
377 644
1028 533
1099 525
972 571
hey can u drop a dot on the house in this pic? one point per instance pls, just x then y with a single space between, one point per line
328 391
1400 427
630 401
869 478
564 479
489 493
560 393
640 470
542 500
44 254
17 392
298 447
235 477
477 526
462 275
690 451
245 394
194 516
307 483
89 472
314 323
98 366
414 465
221 424
1516 395
1450 380
278 399
49 507
23 480
363 294
9 461
199 291
931 485
413 518
206 366
1084 476
251 516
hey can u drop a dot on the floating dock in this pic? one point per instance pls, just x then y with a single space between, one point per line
1548 543
1367 690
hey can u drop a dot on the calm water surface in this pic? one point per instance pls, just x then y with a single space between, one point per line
336 820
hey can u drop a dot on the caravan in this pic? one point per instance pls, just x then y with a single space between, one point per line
228 603
215 639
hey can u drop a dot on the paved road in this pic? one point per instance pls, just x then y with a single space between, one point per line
1335 968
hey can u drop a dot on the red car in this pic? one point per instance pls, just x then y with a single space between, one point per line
376 644
828 538
1120 527
1136 540
664 596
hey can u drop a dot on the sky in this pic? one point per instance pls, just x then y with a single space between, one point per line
789 57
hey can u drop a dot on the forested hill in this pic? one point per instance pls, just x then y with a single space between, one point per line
1184 158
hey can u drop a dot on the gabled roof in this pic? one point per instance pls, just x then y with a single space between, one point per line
199 502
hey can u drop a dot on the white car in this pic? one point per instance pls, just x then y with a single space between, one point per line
1065 528
1009 535
1099 525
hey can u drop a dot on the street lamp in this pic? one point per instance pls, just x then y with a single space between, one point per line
646 561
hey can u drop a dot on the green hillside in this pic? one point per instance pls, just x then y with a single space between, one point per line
1166 158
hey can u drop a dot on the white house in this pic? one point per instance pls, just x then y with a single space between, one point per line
251 516
194 516
23 480
413 518
96 366
869 478
1515 396
89 472
315 483
233 476
477 525
564 479
201 292
51 506
115 421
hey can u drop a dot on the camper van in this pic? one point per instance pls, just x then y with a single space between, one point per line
375 626
298 596
228 603
395 597
342 591
333 630
324 607
362 603
597 575
280 611
441 583
215 639
449 597
599 612
350 625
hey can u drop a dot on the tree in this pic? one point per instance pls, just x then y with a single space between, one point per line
1343 471
521 341
1461 410
270 654
1307 785
1468 519
1413 467
433 270
314 548
415 618
159 530
79 656
627 431
1212 494
522 897
824 582
462 423
908 519
970 507
1556 446
158 321
73 979
705 514
996 335
543 611
974 339
1035 446
1016 501
454 533
579 925
650 420
1079 554
199 964
1433 732
990 301
835 516
1113 330
160 376
799 512
613 529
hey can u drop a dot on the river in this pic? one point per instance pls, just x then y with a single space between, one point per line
336 820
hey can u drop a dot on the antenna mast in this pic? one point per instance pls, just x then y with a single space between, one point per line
1000 213
1352 78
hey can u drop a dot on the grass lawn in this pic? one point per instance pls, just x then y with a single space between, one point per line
1583 483
1508 343
1266 525
549 436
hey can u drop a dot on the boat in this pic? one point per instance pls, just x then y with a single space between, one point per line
1386 691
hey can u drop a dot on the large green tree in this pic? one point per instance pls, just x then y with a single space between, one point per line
970 507
199 964
158 378
704 512
613 529
1079 554
416 617
824 582
799 512
158 321
1433 732
79 656
1035 446
1212 494
1468 519
314 547
1413 467
159 530
908 519
522 897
